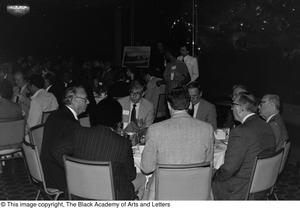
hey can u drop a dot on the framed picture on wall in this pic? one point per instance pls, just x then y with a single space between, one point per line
138 56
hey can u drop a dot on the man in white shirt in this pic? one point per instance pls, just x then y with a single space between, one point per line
190 61
200 108
41 101
21 92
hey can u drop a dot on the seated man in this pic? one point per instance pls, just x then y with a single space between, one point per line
178 140
252 137
41 101
200 108
8 109
136 109
269 110
59 133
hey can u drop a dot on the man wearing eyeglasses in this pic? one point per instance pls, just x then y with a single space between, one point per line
59 134
136 109
248 140
269 109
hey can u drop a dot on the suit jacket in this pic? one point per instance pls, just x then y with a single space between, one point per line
152 92
9 110
192 65
102 144
176 75
58 134
178 140
146 110
246 141
207 112
279 129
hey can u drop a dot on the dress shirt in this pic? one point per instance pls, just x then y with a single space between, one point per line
73 112
268 120
195 110
41 101
247 116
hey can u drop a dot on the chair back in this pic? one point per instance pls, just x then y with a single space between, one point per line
36 134
161 108
85 121
33 163
45 116
183 182
11 133
89 179
286 150
265 172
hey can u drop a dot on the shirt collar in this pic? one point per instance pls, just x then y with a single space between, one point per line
247 116
73 112
48 88
36 93
268 120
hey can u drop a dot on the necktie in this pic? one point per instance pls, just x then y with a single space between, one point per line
133 114
191 111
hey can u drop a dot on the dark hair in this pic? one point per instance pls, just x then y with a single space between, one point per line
179 98
248 101
194 84
50 77
37 80
240 86
6 89
108 113
135 84
185 46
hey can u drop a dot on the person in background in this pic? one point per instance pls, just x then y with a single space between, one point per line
190 61
21 92
178 140
200 108
269 109
52 85
251 138
238 89
41 100
152 91
176 73
136 108
59 133
8 109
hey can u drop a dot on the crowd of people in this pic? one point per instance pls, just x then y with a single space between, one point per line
127 100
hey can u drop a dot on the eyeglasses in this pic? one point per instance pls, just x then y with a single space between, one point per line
262 102
85 99
136 93
233 104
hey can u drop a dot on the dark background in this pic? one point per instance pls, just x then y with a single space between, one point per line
87 29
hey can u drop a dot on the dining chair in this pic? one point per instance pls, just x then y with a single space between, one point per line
89 179
34 168
36 134
161 108
45 116
183 182
12 132
264 174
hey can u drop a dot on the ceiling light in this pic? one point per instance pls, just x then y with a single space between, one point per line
18 10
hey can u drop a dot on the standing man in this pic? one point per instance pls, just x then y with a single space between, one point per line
248 140
41 101
200 108
190 61
59 133
176 73
178 140
135 107
269 109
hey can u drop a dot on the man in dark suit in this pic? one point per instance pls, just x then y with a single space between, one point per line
269 109
200 108
251 138
58 133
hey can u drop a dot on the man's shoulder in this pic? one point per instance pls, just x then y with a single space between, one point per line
204 102
124 100
146 103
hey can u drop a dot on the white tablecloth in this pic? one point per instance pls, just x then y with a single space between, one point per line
219 154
